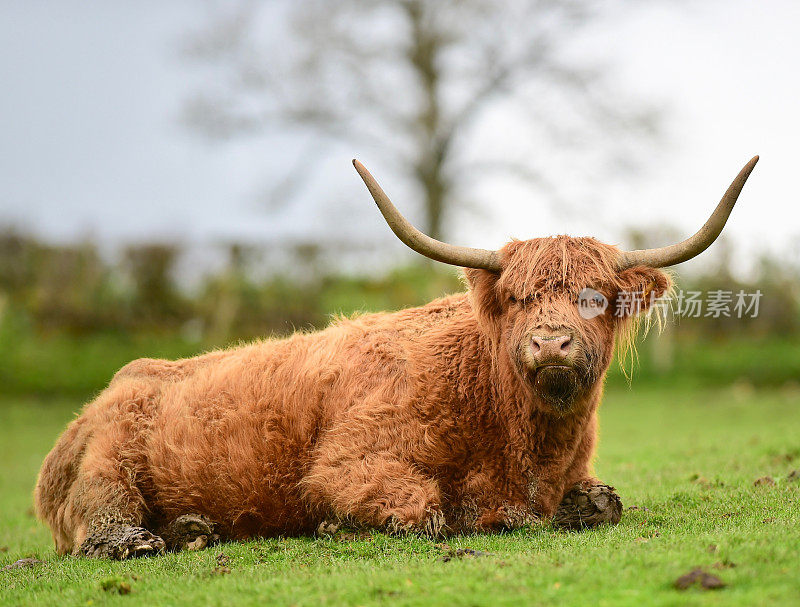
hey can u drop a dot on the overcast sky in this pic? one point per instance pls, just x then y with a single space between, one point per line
91 143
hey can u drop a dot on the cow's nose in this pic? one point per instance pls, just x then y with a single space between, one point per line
550 347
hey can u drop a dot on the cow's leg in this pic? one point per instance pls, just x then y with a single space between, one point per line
189 532
377 491
548 486
489 503
587 501
362 471
105 505
505 517
109 507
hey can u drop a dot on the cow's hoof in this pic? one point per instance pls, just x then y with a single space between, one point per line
189 532
431 525
120 542
585 508
505 518
328 528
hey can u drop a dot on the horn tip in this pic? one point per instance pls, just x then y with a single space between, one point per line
748 168
751 165
361 169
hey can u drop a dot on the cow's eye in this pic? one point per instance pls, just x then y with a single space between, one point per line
512 299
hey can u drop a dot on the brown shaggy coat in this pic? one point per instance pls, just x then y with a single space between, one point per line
418 418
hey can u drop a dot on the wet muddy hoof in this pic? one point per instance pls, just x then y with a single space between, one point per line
328 528
431 526
189 532
586 508
121 542
504 518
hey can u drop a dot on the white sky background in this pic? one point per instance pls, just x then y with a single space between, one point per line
91 143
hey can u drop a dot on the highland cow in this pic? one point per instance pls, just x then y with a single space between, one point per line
477 411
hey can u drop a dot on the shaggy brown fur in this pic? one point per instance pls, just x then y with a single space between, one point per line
428 419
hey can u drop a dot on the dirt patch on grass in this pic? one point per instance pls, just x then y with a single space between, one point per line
701 578
223 562
23 564
704 483
459 553
764 481
115 586
786 458
643 539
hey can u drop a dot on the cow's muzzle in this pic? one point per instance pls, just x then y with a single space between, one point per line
550 358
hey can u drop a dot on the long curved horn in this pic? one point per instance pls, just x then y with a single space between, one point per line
694 245
422 243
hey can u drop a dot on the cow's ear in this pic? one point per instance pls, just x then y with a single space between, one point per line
638 289
483 291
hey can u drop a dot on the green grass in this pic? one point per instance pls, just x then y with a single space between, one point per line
686 459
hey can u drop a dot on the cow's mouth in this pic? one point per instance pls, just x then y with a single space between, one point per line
556 384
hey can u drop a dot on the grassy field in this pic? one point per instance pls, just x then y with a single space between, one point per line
684 462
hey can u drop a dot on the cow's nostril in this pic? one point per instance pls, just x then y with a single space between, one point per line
544 347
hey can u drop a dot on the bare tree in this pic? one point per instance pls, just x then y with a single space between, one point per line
421 82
